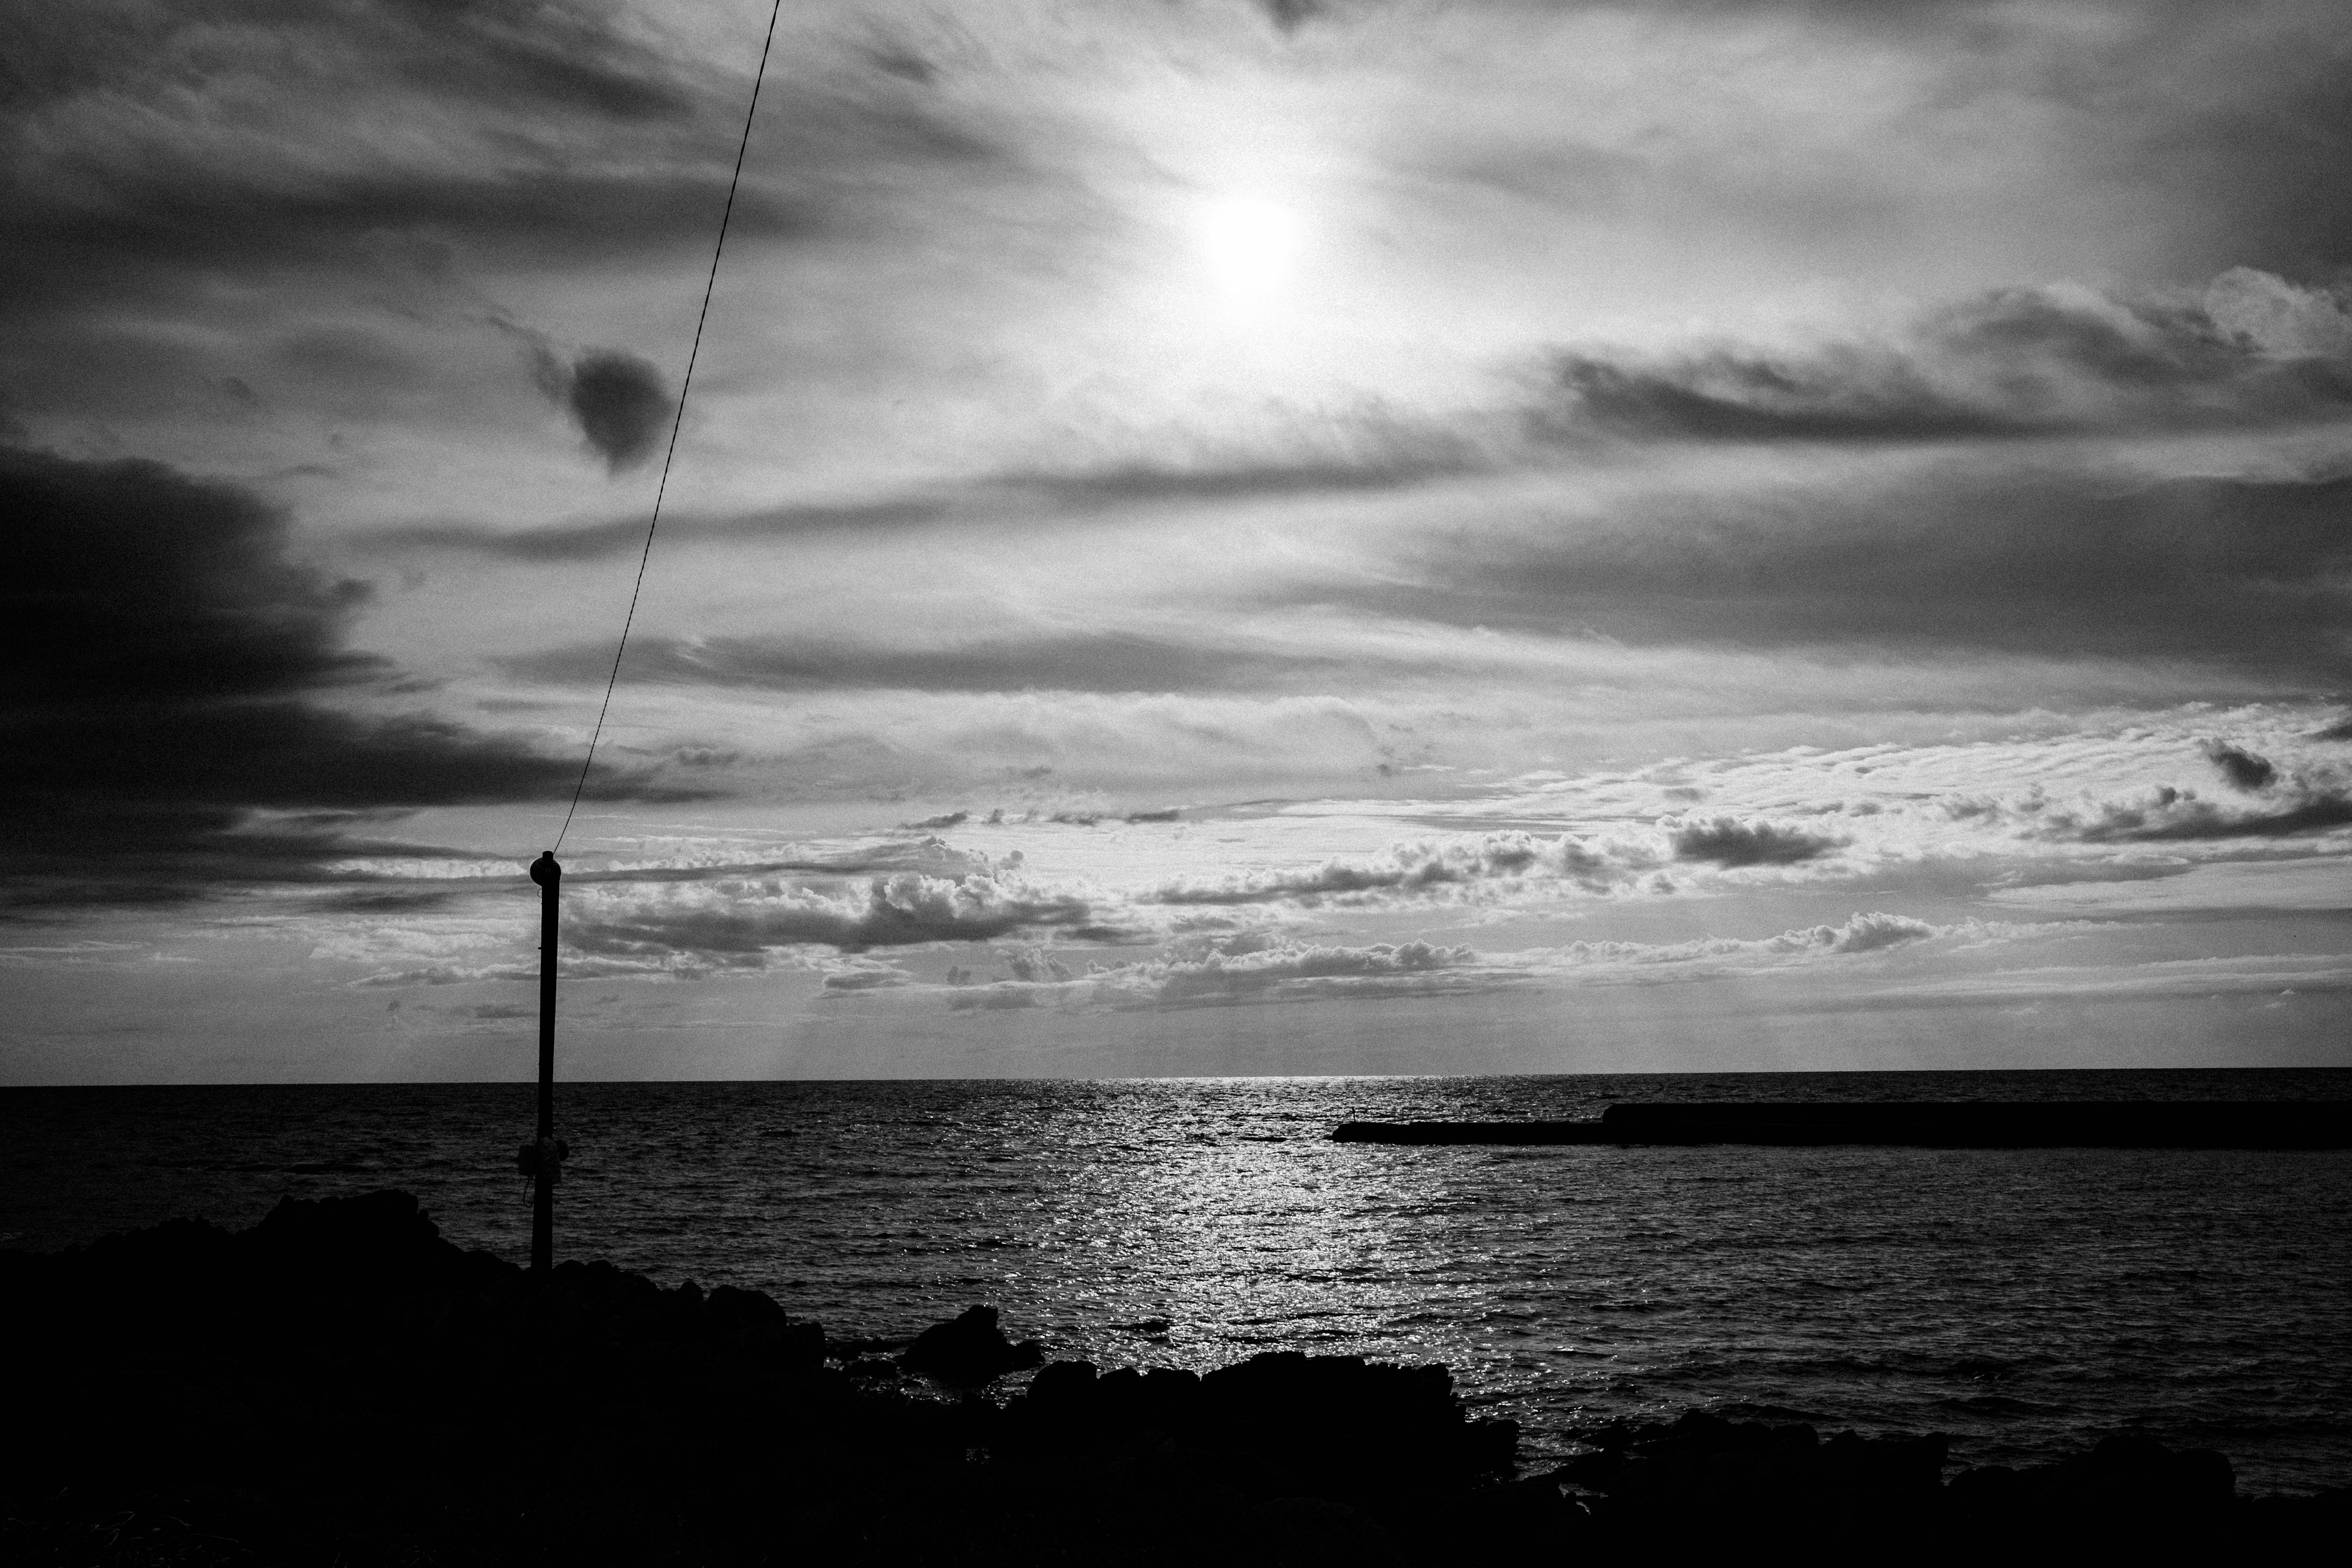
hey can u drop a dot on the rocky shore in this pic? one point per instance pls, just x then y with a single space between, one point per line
340 1385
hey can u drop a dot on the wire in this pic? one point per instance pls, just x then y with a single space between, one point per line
677 423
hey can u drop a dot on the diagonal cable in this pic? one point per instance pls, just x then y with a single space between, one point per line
677 423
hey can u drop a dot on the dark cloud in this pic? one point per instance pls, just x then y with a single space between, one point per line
169 665
130 582
203 165
927 855
594 541
2252 575
1729 841
1101 661
490 90
1434 457
2172 815
2241 767
1841 395
2303 801
1289 15
2252 350
616 399
1425 459
516 51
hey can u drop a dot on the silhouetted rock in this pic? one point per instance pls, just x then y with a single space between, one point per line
2125 1473
340 1383
1315 1533
970 1349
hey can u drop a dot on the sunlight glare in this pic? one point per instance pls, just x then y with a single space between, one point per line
1250 244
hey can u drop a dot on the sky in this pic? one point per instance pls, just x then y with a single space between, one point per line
1322 536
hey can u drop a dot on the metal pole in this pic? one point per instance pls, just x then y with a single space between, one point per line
549 877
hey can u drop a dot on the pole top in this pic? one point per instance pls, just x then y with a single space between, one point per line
546 868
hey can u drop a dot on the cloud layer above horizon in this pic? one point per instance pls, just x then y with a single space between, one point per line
1188 511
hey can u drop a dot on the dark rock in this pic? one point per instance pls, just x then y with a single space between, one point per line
2125 1474
970 1349
1528 1518
1315 1533
340 1383
1063 1384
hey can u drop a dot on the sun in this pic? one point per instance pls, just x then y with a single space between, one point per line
1250 244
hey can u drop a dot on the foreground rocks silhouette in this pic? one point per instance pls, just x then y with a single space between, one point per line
339 1384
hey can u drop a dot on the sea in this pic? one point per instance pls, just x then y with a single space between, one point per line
2024 1302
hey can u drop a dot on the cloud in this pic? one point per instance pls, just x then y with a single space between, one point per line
2242 768
1295 967
625 535
132 581
1729 842
741 925
513 52
1249 967
853 975
2252 350
1255 967
2247 574
1095 661
1429 866
2286 801
616 399
2166 815
1509 861
325 203
236 127
172 662
1289 454
1872 933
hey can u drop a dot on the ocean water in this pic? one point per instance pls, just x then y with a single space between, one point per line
2024 1302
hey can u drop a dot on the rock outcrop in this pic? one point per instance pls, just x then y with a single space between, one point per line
340 1384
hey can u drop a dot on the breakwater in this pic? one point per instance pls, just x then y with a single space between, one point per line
1923 1125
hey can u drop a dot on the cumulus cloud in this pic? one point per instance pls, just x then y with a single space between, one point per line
1731 842
1863 933
1248 967
2286 802
2242 768
1225 977
2166 814
2252 349
741 925
1872 933
1425 866
1255 967
864 974
1590 863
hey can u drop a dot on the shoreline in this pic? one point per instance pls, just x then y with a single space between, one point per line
340 1381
